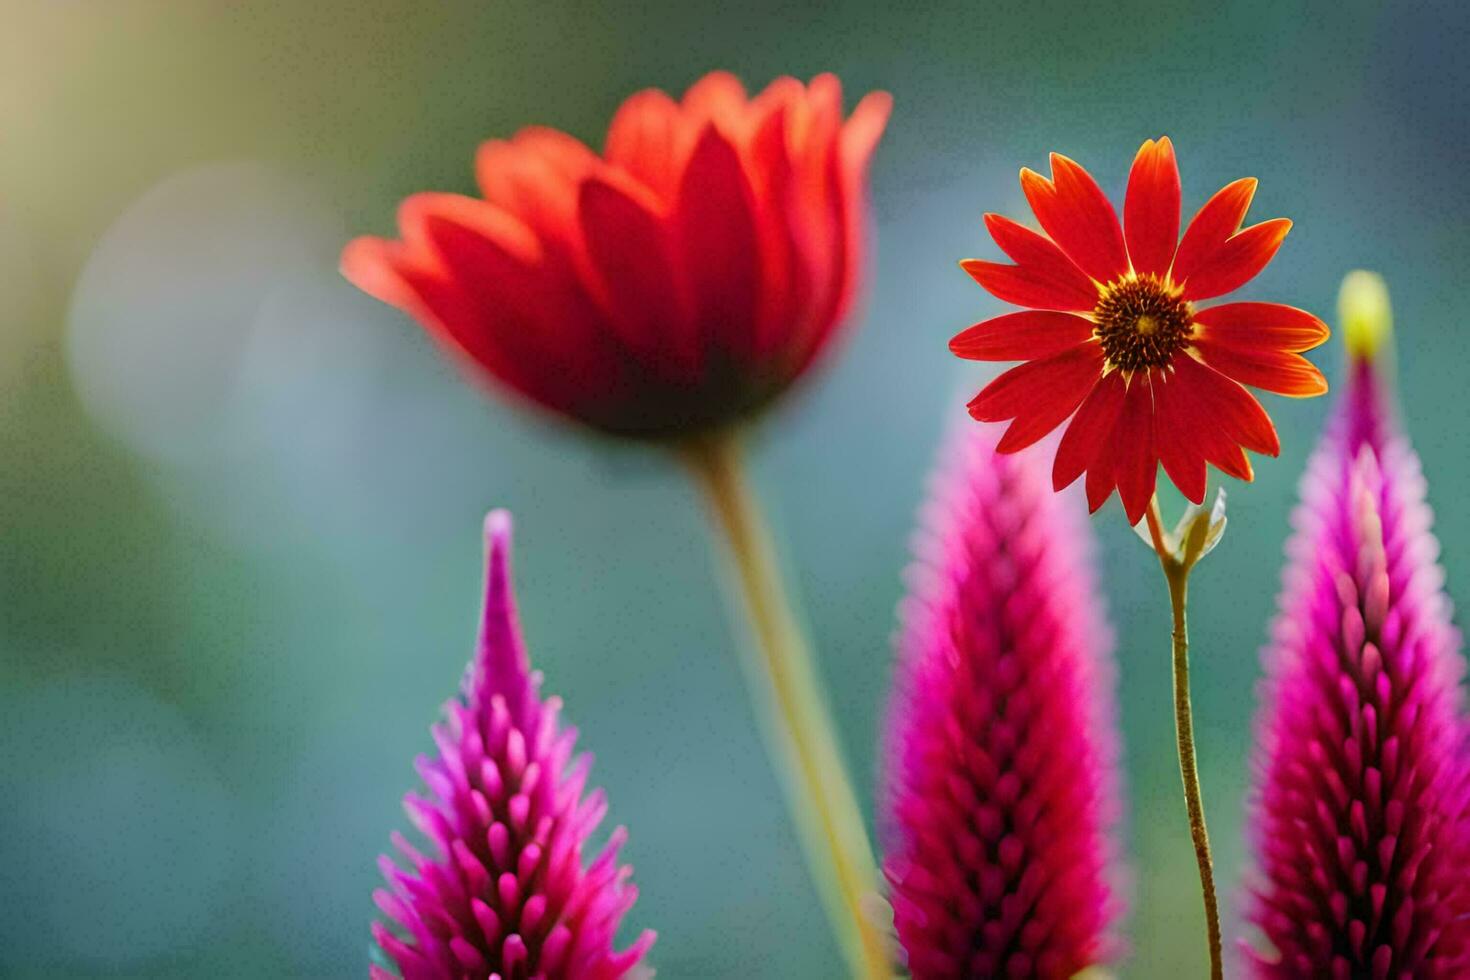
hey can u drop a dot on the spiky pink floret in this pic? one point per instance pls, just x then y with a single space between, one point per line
507 895
1362 829
1001 777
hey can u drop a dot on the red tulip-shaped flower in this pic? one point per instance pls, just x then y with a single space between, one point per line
508 895
1362 819
675 283
1001 765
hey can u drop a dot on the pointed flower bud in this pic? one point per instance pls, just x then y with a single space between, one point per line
1001 769
1362 829
1367 318
506 893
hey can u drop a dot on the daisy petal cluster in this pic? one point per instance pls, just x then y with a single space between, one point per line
1115 338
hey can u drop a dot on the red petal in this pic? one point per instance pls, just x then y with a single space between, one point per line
1261 325
1194 427
1179 449
718 96
389 271
1215 222
1076 214
714 222
1228 407
856 140
483 295
771 177
825 221
535 177
370 264
1031 387
1100 482
630 248
419 212
526 314
417 284
643 140
477 269
1273 370
1023 336
481 283
861 132
1238 261
505 283
784 93
824 94
1085 437
1043 261
1232 461
1024 286
1151 208
826 207
1136 460
1043 417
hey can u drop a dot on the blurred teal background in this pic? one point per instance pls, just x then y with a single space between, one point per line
239 502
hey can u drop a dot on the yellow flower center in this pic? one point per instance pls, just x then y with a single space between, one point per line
1141 322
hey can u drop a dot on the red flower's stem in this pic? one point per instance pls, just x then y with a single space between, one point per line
798 726
1176 573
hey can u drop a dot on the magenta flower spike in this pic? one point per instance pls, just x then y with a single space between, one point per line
507 896
1001 771
1361 829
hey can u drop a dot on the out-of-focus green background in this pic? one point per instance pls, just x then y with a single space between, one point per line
239 502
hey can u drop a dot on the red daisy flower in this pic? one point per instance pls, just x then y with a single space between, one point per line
675 283
1115 341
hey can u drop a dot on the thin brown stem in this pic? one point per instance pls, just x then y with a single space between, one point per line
799 729
1176 573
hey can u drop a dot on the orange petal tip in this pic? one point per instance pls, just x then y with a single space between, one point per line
367 263
1029 176
1318 385
879 101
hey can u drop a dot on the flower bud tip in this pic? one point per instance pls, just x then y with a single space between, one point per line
1365 314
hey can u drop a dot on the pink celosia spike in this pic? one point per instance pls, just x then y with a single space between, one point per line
1001 778
485 903
1362 816
501 666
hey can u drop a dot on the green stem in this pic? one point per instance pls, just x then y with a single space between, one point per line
799 730
1176 573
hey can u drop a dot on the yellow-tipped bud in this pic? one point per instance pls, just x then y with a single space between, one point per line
1365 314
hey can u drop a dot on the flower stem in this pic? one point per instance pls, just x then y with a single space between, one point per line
799 730
1176 573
